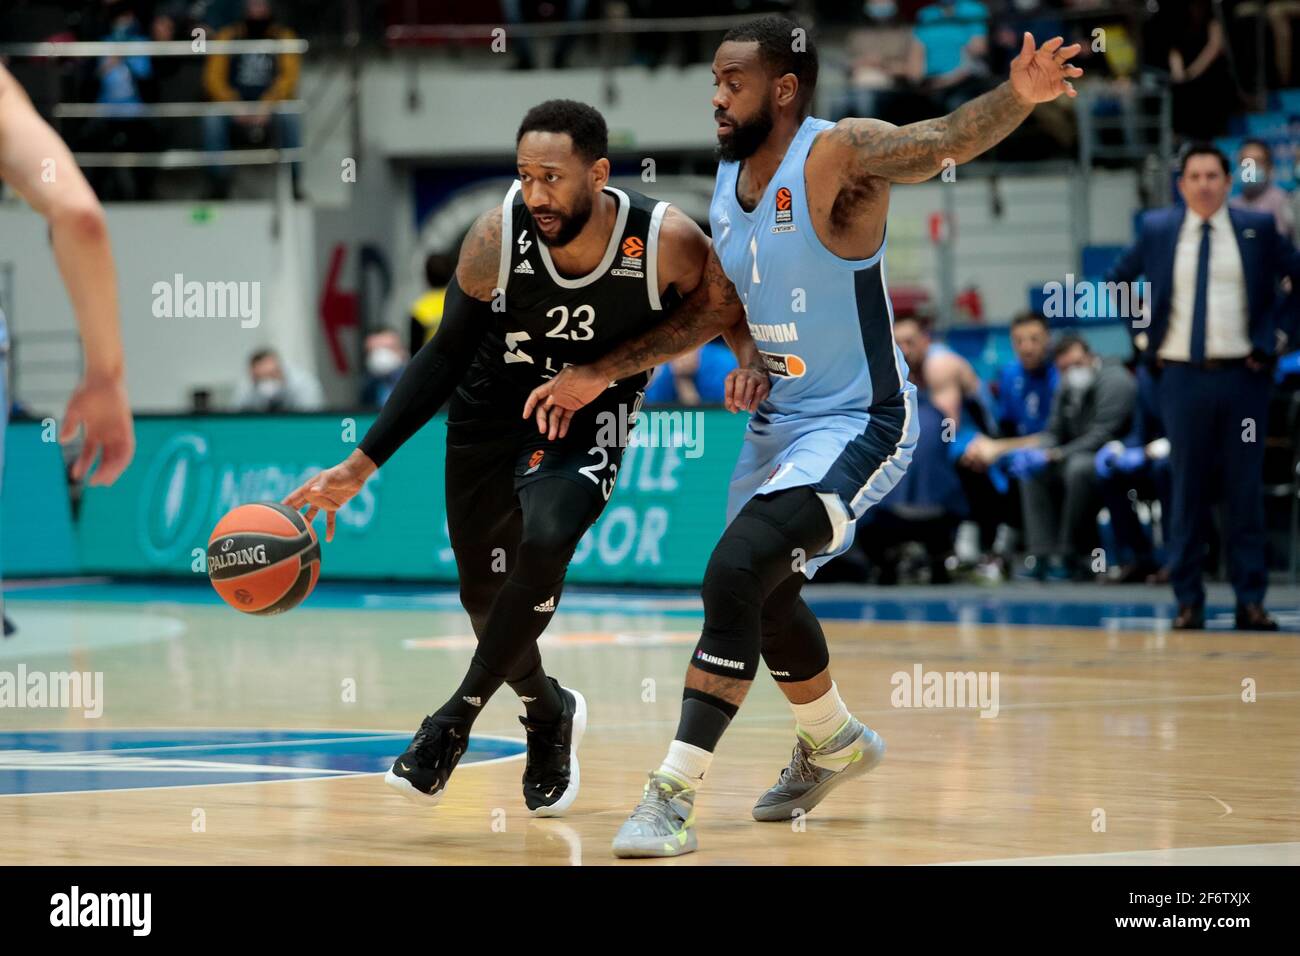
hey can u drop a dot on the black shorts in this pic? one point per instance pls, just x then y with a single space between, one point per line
488 443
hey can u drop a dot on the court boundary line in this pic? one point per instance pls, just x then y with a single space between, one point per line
335 775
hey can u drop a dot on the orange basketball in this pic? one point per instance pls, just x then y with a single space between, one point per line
263 558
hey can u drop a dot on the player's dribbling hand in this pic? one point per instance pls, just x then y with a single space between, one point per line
331 489
100 406
554 402
1039 76
745 388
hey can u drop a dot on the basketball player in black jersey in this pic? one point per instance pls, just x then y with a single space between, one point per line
564 269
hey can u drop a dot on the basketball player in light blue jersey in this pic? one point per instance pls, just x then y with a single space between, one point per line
798 220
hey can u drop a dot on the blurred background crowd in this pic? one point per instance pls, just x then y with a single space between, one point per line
1044 452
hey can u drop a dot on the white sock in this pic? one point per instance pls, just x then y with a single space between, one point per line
687 761
820 718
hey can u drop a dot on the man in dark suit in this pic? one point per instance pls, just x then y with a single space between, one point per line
1217 322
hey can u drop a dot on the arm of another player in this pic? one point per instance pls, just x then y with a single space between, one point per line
427 381
918 151
709 307
749 383
37 164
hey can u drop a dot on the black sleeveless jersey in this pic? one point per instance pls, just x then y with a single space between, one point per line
547 321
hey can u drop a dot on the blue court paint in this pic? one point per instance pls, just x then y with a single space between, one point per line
58 761
1034 606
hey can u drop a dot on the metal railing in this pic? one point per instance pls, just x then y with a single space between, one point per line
171 158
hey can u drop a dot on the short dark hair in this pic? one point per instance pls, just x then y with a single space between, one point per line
774 35
923 321
260 354
1256 141
1202 148
439 267
1025 318
584 124
1069 341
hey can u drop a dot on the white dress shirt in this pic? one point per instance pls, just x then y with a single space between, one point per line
1226 318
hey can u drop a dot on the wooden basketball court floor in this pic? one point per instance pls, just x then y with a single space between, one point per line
1124 743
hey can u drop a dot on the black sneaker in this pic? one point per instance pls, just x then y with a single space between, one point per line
551 771
421 773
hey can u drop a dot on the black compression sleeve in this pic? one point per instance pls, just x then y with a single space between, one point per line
431 376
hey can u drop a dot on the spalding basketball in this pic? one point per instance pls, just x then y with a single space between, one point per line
263 558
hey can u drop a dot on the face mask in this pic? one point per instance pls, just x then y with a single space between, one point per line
269 388
383 362
1080 377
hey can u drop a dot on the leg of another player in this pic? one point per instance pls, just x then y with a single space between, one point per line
761 548
831 745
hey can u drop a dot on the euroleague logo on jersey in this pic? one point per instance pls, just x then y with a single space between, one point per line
784 210
633 259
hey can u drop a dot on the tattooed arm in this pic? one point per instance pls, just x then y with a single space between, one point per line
480 256
710 309
913 153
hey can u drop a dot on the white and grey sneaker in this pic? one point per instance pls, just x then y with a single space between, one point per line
663 823
814 771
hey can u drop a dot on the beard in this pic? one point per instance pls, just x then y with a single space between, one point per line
746 138
570 225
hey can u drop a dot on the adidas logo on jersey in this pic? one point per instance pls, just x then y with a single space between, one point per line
524 269
546 606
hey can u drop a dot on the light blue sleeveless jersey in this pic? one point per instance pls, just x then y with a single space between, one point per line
841 415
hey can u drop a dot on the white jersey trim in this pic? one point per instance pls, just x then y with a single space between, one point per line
624 204
652 253
507 235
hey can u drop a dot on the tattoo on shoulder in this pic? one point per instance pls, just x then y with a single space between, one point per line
480 256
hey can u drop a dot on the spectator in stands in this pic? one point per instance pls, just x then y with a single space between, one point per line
696 378
1026 385
1216 326
120 83
426 311
886 63
932 499
524 11
954 36
1204 92
1137 469
273 386
251 77
1258 191
386 359
1058 480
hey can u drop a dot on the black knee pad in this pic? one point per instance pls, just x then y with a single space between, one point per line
794 646
733 597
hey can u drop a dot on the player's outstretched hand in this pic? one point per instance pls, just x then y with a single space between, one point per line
745 388
100 406
1039 76
331 489
555 401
